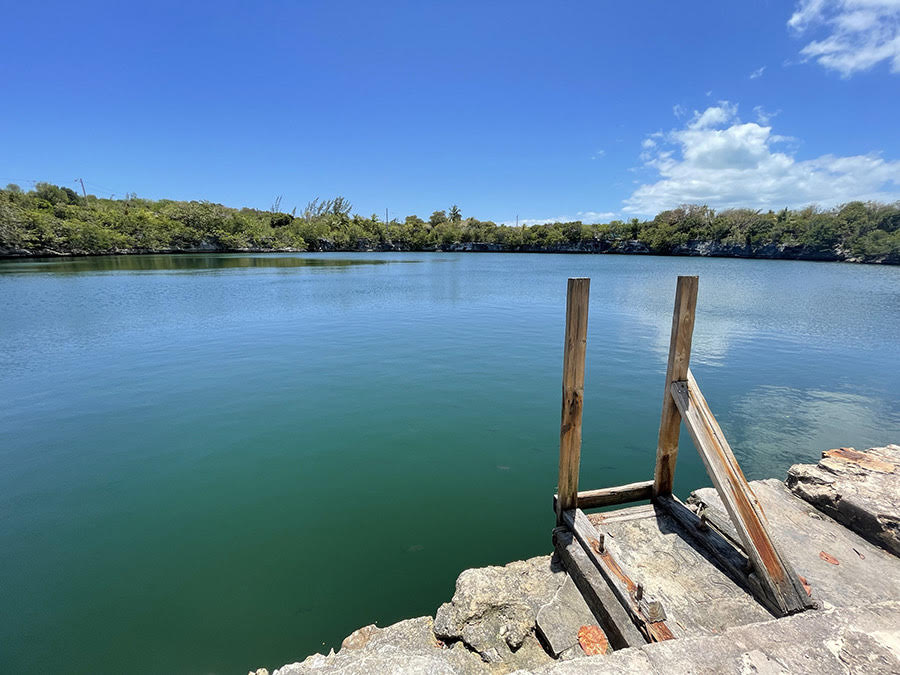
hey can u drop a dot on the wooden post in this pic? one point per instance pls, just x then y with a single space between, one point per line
679 360
572 394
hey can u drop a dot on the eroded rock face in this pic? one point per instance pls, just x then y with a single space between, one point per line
859 489
494 610
405 647
359 638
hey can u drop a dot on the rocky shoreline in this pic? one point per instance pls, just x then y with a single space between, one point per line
698 248
525 616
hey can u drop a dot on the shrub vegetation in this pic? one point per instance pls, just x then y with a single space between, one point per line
50 218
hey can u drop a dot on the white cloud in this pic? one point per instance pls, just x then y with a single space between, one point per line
596 216
757 73
714 115
718 160
854 35
587 217
678 110
598 154
763 116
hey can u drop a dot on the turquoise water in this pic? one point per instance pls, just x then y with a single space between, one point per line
214 462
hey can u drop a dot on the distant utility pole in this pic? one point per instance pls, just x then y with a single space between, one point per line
83 193
517 220
385 216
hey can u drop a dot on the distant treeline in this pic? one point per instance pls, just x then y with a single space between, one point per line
50 220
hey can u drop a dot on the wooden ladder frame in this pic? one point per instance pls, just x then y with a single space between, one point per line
773 580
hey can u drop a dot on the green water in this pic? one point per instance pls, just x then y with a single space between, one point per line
211 463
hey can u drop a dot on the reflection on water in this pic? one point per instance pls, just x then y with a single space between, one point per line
769 424
178 433
192 262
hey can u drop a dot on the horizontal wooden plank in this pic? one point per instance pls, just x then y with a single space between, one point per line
604 605
621 494
627 513
611 496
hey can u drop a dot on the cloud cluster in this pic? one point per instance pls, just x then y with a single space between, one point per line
857 34
718 160
588 217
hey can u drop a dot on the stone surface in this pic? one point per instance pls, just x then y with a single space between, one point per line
559 621
504 619
360 637
860 489
839 640
864 573
494 610
405 647
653 549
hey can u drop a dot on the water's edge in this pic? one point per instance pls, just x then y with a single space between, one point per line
487 627
705 249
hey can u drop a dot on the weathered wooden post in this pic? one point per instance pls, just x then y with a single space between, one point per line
677 370
584 549
572 394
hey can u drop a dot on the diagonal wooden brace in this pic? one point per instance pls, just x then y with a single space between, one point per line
777 578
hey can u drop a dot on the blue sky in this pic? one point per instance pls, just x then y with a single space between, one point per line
537 110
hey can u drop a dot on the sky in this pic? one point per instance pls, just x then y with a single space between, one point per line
530 110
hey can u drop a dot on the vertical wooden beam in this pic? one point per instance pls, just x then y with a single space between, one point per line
679 360
572 394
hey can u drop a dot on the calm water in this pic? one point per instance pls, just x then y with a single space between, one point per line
209 463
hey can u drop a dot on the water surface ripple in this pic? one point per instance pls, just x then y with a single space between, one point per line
213 462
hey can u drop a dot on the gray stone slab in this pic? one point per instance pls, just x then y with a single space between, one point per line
559 621
836 641
860 489
864 573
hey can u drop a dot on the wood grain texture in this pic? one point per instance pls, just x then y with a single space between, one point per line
577 296
700 596
867 574
622 585
620 494
677 368
776 576
727 554
604 605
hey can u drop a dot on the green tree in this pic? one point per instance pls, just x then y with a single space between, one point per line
51 217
